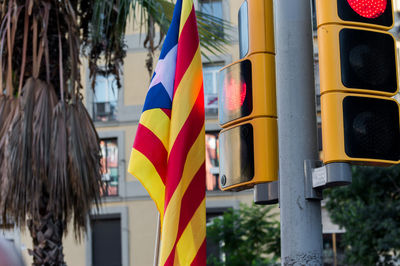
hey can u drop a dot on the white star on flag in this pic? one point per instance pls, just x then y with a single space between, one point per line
165 71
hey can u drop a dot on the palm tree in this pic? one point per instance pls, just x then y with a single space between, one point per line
50 172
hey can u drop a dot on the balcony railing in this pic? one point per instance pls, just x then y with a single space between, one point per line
109 186
104 111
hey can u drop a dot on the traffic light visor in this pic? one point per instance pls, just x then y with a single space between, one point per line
236 100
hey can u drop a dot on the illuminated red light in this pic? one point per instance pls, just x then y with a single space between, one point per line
368 8
235 93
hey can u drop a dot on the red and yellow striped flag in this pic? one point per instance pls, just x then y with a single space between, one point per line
168 155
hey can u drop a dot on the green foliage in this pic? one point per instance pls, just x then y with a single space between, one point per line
248 236
369 210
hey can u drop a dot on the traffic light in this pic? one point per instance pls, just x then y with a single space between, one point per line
358 77
247 103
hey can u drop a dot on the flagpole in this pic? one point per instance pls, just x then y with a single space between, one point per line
157 243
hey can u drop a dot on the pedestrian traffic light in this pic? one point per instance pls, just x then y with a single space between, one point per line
248 89
249 153
247 104
358 77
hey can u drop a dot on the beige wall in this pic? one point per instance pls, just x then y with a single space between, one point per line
136 78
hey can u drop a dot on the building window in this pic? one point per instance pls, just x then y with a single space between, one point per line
106 240
211 81
105 98
214 8
109 162
212 161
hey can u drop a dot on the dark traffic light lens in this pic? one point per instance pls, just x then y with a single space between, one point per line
368 8
368 63
368 60
237 155
235 94
371 128
377 12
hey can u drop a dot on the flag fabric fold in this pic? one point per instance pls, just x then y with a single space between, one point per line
168 154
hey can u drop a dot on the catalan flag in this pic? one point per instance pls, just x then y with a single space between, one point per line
168 154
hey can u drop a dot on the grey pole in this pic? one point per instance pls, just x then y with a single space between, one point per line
301 228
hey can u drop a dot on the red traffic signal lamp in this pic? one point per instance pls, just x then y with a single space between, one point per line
248 89
364 13
358 77
247 104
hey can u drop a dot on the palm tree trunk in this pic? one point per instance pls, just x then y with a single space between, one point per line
47 233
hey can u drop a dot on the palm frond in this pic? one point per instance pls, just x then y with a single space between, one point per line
58 181
21 185
9 107
107 37
45 101
214 33
85 179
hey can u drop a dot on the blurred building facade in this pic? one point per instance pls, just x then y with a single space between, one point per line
123 232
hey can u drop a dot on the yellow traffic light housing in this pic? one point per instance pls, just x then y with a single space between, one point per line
353 59
358 77
248 153
247 104
360 129
256 27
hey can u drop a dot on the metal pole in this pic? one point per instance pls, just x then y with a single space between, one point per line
157 242
334 249
301 228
